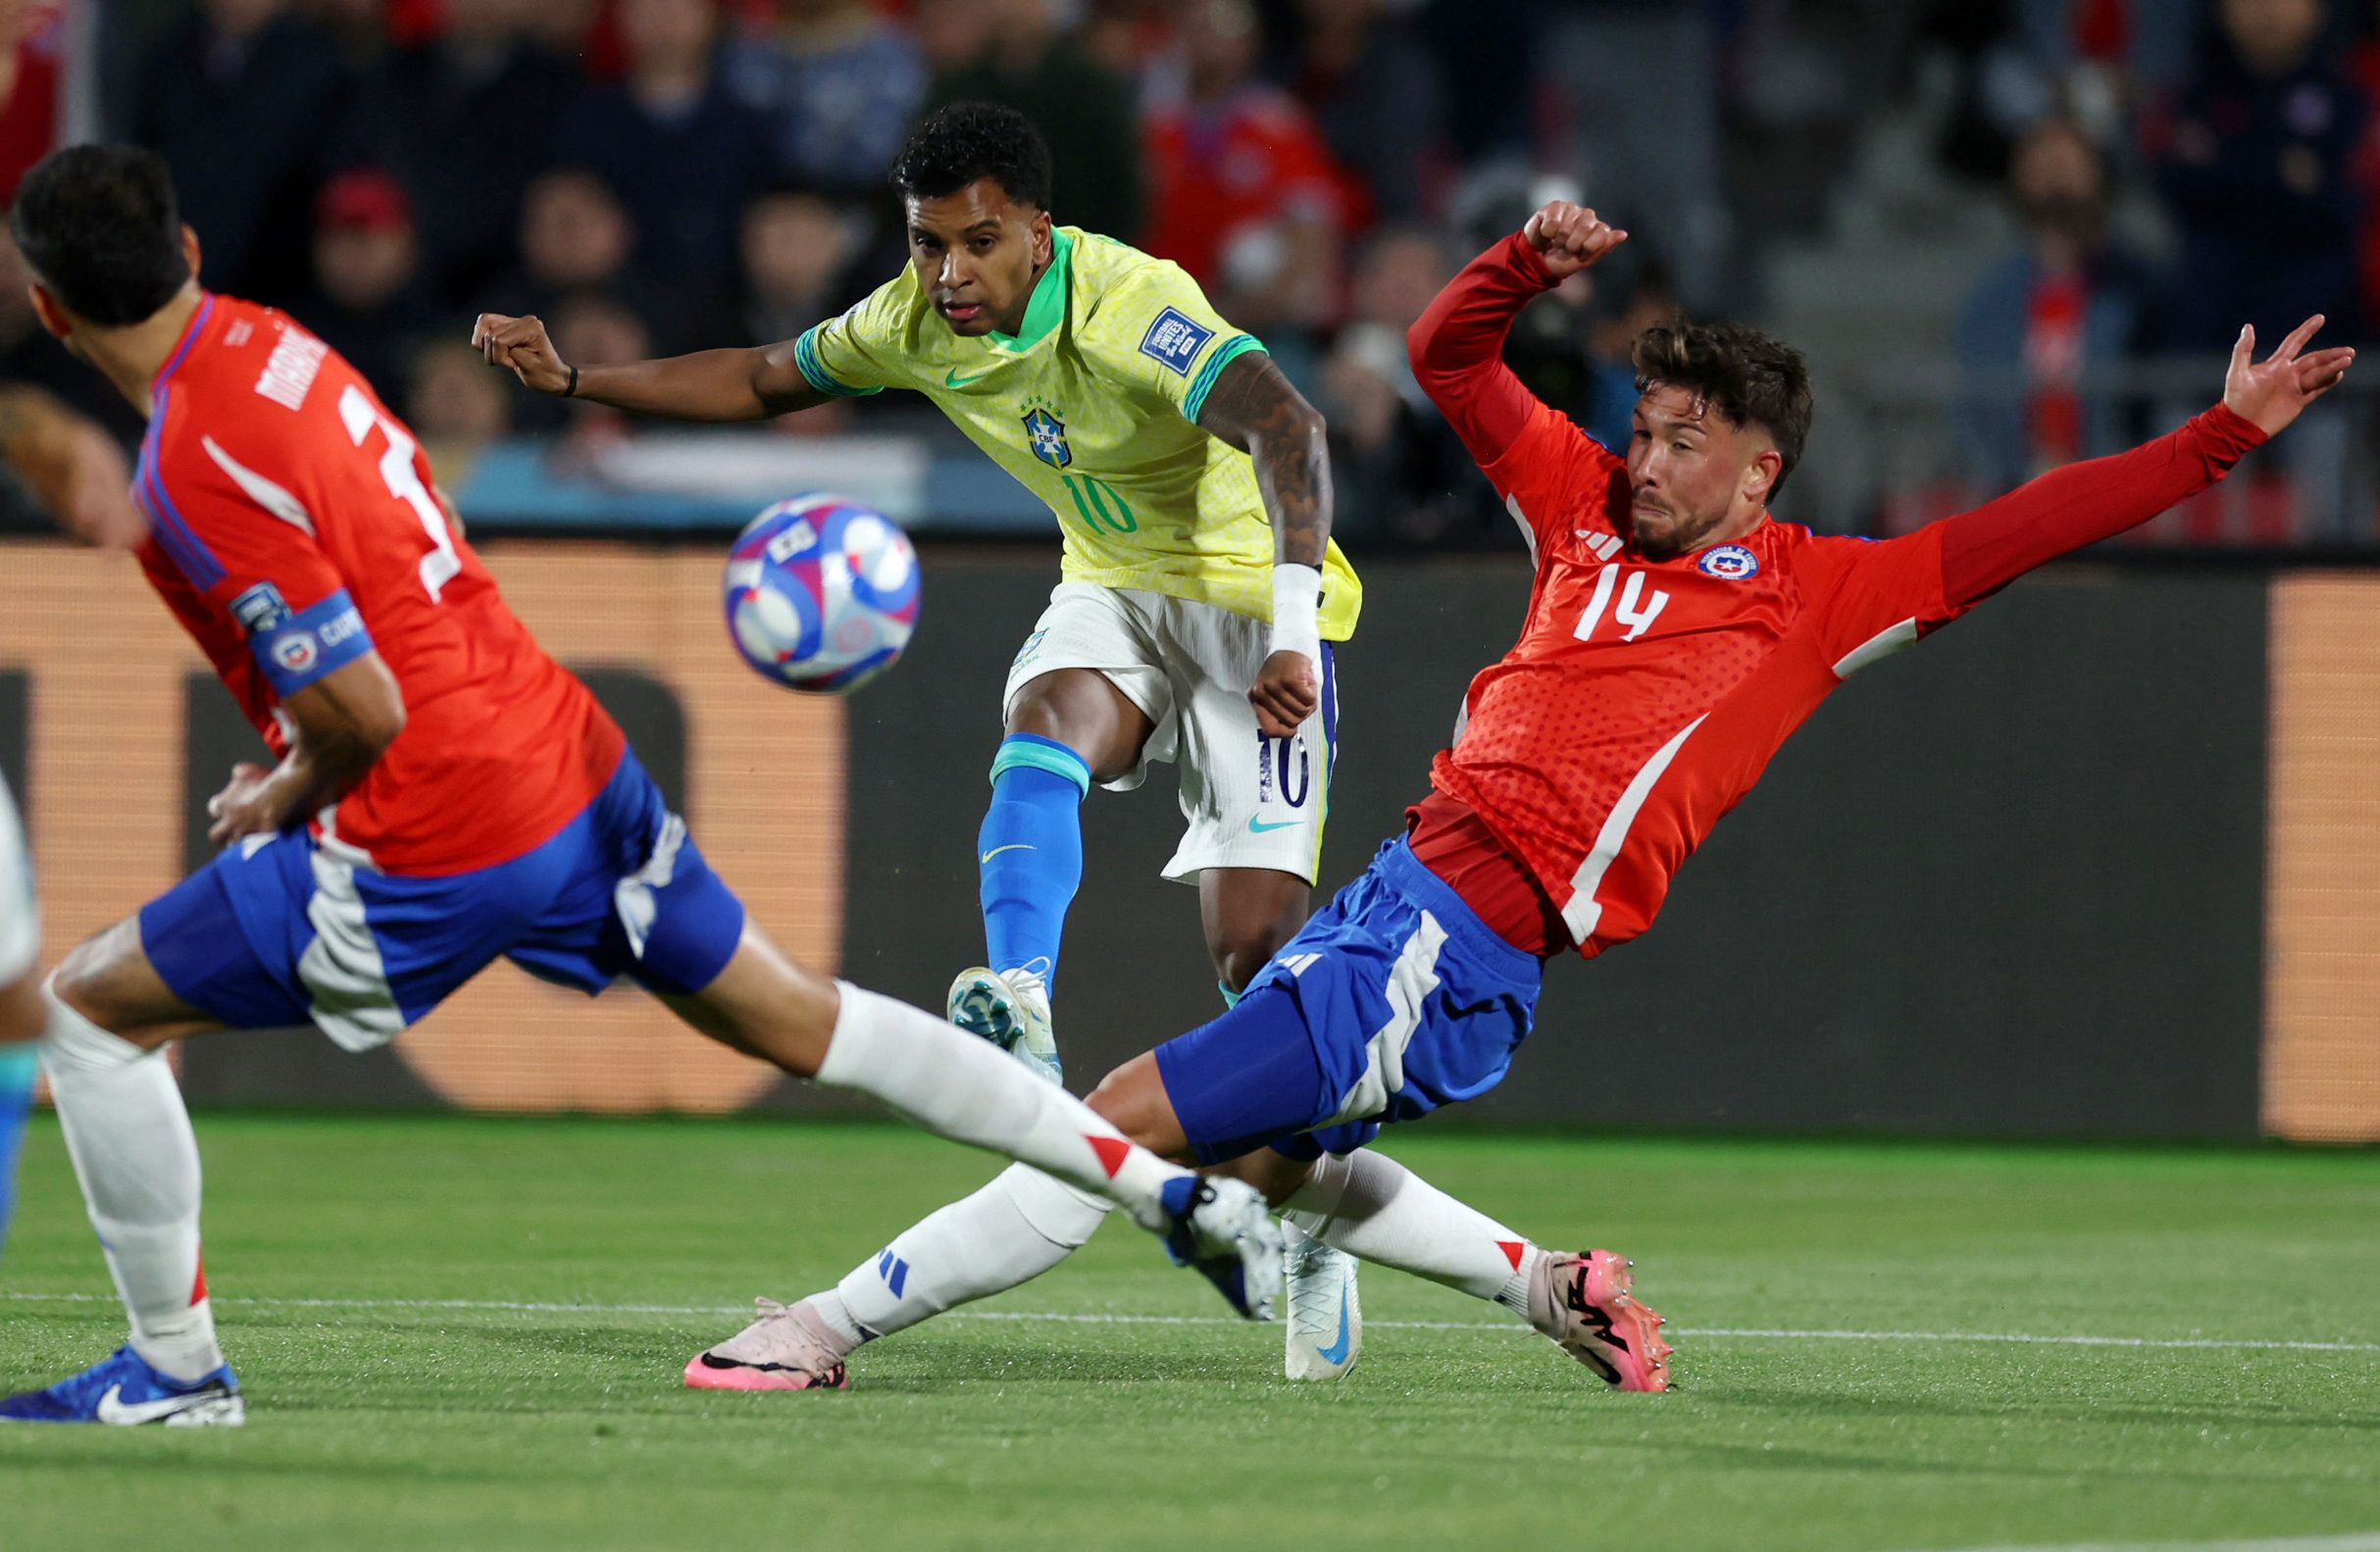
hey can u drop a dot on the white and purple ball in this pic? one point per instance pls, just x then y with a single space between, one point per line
822 593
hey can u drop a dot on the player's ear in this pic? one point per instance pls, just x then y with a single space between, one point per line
53 317
1043 242
189 249
1767 468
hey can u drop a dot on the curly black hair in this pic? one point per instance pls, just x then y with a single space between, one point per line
968 140
1746 376
98 225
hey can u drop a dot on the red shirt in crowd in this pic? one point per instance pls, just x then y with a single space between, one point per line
1218 170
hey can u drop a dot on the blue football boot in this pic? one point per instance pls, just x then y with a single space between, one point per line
123 1391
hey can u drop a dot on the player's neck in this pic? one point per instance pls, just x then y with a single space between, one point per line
130 356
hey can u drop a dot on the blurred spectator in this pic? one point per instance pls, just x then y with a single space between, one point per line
951 35
838 86
797 250
682 154
2256 156
594 329
2065 302
30 36
1246 196
1137 40
456 406
1084 110
1376 95
577 237
241 101
366 302
464 121
1402 475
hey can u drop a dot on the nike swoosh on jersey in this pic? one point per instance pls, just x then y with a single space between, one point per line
1336 1352
1257 827
125 1414
996 850
952 379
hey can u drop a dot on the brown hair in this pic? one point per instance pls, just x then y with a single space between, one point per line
1748 378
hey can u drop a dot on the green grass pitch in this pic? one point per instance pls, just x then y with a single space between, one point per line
539 1406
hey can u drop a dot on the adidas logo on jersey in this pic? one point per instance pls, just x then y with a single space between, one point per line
1603 545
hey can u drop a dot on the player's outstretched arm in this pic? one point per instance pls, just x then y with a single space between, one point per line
2081 504
341 724
1255 409
1456 346
708 386
73 466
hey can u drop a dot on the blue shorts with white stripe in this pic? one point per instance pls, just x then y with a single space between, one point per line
1394 1000
287 928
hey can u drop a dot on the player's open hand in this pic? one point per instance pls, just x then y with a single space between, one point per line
1285 694
244 807
2274 391
1570 237
521 345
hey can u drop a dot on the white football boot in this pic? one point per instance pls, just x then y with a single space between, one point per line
1011 1010
1326 1315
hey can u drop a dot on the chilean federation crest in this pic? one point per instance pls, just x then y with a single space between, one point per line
1046 434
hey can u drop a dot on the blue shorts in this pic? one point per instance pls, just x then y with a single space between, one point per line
1394 1000
287 928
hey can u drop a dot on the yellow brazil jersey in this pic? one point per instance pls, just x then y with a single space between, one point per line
1095 407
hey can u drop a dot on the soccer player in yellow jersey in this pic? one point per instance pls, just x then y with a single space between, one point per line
1191 485
1201 589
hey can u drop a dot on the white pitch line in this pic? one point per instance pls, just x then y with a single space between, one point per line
1722 1331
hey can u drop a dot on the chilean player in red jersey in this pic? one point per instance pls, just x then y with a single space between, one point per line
446 794
1676 635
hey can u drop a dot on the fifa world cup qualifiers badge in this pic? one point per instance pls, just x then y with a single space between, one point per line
1173 342
1730 563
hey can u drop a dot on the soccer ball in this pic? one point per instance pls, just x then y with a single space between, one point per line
822 593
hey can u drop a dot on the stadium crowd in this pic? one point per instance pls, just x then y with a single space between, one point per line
664 174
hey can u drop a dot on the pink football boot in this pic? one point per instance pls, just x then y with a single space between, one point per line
1582 1303
789 1348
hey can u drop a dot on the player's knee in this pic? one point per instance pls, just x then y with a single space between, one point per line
1242 949
1132 1099
87 980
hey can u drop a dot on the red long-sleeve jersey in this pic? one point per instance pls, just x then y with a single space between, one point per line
1646 697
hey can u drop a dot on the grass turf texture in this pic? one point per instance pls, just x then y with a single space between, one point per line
488 1428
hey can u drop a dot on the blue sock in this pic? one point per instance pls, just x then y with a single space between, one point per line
17 1063
1031 852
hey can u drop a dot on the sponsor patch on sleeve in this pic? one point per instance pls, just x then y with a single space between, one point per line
1173 342
296 650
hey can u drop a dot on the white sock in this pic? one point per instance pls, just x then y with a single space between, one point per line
1011 1232
129 1137
1373 1207
966 1090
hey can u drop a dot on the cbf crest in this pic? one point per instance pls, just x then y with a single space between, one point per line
1046 435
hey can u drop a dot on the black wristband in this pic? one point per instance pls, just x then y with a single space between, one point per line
571 390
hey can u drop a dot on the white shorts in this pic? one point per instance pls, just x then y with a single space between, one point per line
1250 801
19 910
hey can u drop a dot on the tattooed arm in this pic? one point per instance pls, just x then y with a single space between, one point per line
1253 408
